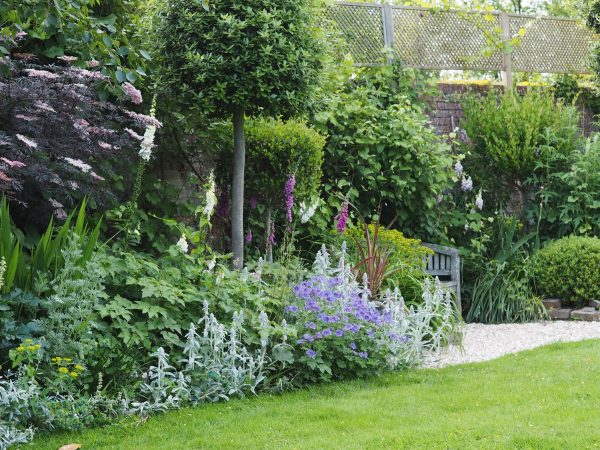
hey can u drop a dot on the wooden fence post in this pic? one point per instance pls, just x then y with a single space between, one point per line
388 29
507 75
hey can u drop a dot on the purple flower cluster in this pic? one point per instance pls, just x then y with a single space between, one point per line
330 314
342 218
288 194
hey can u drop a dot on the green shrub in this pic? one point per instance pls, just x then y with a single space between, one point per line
278 149
382 150
569 269
571 197
511 133
275 150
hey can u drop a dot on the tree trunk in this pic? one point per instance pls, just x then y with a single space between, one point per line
237 204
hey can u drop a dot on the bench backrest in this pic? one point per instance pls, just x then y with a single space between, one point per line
445 265
443 262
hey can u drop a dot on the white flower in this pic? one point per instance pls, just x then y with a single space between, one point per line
148 143
211 197
211 264
466 184
182 244
479 201
307 213
85 168
458 169
28 142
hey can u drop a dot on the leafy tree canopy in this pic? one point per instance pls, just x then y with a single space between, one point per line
255 54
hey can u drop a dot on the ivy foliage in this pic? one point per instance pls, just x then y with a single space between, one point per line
262 55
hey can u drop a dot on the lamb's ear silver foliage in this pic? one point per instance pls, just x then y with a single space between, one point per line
216 366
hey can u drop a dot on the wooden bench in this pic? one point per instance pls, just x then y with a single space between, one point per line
445 265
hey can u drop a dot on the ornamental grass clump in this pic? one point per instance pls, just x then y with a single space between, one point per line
343 331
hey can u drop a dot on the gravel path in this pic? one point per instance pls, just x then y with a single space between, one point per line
485 342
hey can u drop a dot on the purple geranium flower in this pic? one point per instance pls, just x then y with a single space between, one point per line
311 353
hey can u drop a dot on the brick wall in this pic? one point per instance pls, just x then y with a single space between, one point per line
446 112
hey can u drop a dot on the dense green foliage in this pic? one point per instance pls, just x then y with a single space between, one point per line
502 291
104 31
276 150
507 403
569 269
382 151
29 266
510 133
570 197
257 55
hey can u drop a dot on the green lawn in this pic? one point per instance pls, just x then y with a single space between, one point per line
545 398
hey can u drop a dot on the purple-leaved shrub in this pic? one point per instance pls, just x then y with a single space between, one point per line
59 142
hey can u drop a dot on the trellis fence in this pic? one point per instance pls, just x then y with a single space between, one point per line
442 39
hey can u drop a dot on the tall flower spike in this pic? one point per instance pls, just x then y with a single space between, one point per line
306 213
211 196
342 218
288 193
479 201
145 152
322 264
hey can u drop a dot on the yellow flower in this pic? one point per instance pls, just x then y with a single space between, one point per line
78 367
74 374
68 360
32 348
63 370
20 348
28 341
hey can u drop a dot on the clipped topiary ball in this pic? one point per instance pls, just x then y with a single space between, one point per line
569 269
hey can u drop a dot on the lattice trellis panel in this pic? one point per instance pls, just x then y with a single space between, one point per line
443 39
361 26
551 45
431 39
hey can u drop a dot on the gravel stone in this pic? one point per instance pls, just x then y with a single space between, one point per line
485 342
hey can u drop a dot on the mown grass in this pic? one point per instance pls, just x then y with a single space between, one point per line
548 398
